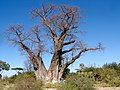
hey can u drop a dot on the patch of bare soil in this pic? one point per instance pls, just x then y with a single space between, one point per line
108 88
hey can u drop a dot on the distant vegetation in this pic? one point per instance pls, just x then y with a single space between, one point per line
85 78
3 66
107 75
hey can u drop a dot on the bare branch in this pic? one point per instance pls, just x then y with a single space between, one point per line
43 14
17 31
66 51
79 54
50 28
47 10
39 41
67 43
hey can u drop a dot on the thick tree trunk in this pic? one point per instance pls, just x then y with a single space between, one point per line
53 74
39 69
53 71
40 75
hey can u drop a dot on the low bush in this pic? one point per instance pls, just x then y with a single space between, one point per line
76 82
5 85
26 81
12 79
52 85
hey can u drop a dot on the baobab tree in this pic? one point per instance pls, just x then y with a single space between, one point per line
60 24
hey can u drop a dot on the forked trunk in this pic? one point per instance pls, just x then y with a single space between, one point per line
53 74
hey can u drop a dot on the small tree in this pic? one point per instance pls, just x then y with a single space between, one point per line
3 66
60 24
81 67
112 65
18 69
28 65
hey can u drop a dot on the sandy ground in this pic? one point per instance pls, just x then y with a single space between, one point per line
108 88
98 88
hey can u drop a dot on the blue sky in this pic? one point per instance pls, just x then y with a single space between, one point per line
102 23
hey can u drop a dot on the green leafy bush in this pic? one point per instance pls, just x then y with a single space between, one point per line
76 82
52 85
108 75
26 81
115 82
113 65
12 79
5 85
38 85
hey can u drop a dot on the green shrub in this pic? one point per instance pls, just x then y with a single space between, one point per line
22 81
76 82
5 85
12 79
38 85
115 82
26 81
52 85
2 84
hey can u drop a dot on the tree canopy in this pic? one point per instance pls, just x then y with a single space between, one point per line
4 65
